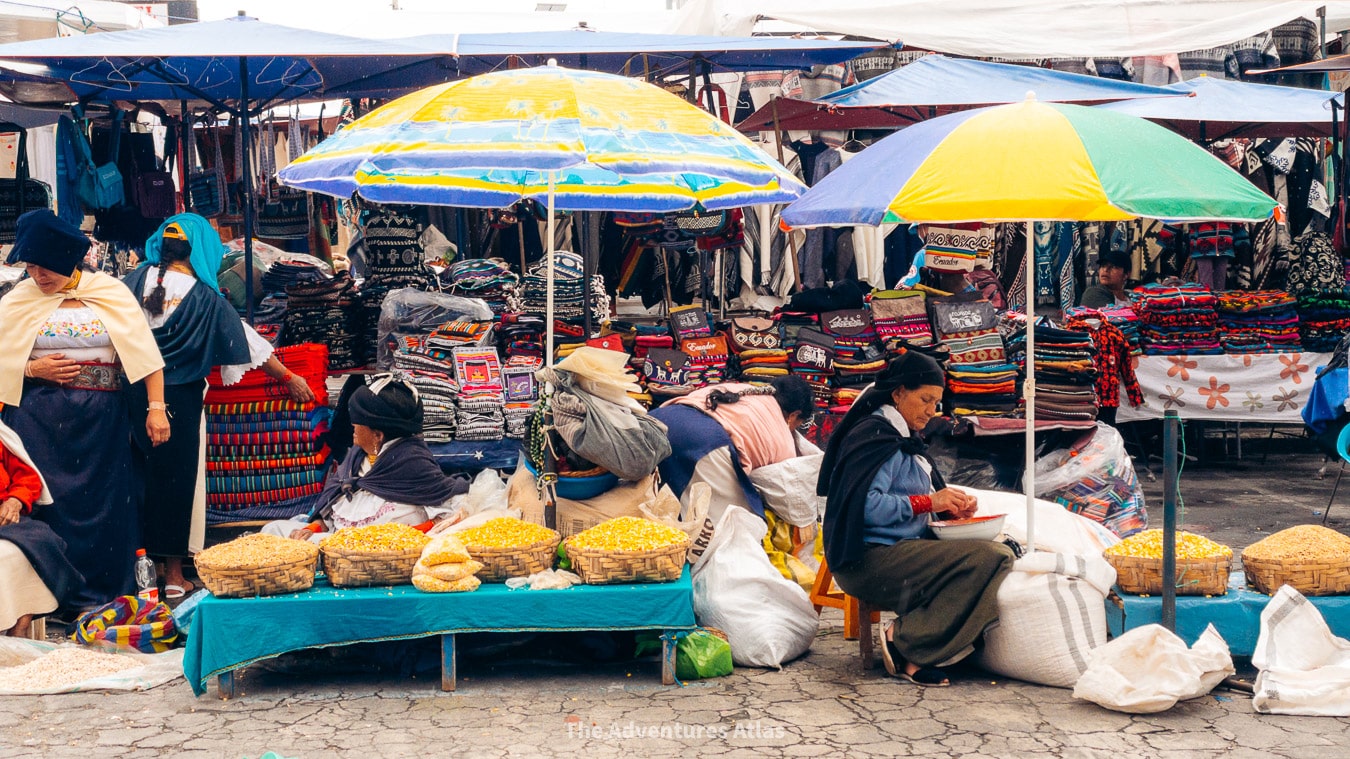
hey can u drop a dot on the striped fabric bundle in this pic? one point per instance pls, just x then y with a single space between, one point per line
1261 321
264 460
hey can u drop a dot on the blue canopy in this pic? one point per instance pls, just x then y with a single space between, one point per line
936 85
1220 108
638 54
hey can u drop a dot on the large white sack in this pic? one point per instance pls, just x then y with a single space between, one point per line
1305 669
154 669
1058 530
1051 615
1149 669
789 488
768 619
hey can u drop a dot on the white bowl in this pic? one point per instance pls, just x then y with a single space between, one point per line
975 528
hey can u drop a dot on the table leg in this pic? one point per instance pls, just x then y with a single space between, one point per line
225 685
448 662
668 658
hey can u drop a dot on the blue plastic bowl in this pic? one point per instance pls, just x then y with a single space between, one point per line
579 488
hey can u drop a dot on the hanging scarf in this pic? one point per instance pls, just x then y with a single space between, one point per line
24 310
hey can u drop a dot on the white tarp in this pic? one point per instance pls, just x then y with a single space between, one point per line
1021 28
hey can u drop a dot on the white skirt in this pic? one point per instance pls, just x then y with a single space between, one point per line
24 592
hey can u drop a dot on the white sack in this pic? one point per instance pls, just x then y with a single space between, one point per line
1304 668
155 669
768 619
1149 669
1058 530
789 488
1051 615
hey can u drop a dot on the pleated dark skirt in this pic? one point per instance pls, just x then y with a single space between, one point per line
170 470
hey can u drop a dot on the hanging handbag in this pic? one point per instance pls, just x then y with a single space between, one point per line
205 187
287 217
951 316
752 333
100 186
21 193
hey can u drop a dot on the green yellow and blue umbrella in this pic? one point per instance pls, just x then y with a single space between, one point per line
1025 162
1030 161
607 142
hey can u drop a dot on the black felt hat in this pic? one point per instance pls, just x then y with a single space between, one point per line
1118 259
43 239
388 405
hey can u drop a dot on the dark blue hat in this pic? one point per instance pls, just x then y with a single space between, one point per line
43 239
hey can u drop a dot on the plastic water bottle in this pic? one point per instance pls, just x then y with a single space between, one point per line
147 585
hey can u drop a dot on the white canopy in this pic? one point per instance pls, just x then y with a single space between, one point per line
1022 28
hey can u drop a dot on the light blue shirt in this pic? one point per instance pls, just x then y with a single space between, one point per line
888 517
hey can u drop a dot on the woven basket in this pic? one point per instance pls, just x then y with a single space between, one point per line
501 564
1317 578
596 567
248 582
358 569
1195 577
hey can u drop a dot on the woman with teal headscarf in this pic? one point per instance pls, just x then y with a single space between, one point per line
197 330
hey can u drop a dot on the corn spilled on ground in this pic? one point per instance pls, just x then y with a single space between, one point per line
256 551
505 532
376 538
1306 542
627 535
1148 544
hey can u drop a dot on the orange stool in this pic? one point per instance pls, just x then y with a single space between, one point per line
858 616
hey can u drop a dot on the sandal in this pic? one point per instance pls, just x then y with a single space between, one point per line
931 677
889 654
175 592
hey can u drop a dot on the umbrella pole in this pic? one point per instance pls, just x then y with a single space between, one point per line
548 352
550 462
247 178
1029 390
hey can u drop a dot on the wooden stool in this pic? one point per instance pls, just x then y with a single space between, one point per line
858 616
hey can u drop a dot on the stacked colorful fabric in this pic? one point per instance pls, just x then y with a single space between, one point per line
479 408
569 289
1176 320
326 311
1122 318
1065 373
1324 318
264 460
490 280
858 356
434 379
282 274
522 337
980 379
1260 321
394 254
762 365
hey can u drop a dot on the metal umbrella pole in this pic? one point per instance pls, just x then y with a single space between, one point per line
1029 389
245 137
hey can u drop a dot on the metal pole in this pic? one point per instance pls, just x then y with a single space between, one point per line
247 178
1029 389
1171 428
550 463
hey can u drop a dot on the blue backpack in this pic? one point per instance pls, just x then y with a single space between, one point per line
100 187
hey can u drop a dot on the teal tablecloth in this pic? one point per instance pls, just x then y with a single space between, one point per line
228 633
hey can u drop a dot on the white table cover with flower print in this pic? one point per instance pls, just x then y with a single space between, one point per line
1264 388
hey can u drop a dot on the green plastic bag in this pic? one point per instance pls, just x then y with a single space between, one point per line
700 655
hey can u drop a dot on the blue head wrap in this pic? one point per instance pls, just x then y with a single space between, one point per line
207 250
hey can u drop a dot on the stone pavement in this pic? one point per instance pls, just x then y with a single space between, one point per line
821 705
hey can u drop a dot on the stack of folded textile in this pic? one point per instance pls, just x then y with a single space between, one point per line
1260 321
283 274
567 338
647 337
569 289
792 322
434 379
1122 318
1324 319
522 338
487 279
980 379
322 311
1066 374
858 356
845 396
1176 320
762 365
265 454
479 409
394 256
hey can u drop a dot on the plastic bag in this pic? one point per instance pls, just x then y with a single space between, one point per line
406 312
1304 668
429 584
602 373
549 579
155 669
789 488
702 654
487 493
444 549
768 620
1095 478
266 256
1149 669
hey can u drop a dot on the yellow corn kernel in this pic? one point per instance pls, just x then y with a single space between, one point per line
377 538
505 532
1148 544
628 535
1306 542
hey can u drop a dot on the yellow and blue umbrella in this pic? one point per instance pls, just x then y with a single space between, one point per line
607 142
1030 161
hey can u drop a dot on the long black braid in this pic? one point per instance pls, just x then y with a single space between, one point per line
171 249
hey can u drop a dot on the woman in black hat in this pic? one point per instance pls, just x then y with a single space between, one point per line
881 490
72 339
389 475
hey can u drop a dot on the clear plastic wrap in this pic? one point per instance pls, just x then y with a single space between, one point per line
1095 478
407 312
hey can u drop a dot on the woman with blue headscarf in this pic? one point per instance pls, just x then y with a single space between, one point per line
197 330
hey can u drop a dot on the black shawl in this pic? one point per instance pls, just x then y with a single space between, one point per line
46 551
203 332
405 472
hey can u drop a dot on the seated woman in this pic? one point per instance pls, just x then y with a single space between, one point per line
388 475
720 433
881 489
35 574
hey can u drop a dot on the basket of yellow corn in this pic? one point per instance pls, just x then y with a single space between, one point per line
1202 564
257 565
628 549
377 554
1312 559
510 547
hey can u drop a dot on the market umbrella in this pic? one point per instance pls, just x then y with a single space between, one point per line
1026 162
573 140
1223 108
